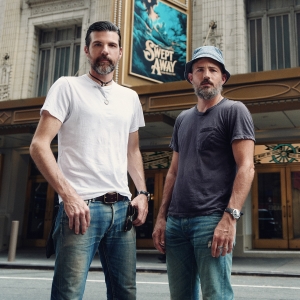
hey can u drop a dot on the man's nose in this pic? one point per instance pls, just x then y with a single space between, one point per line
105 49
206 73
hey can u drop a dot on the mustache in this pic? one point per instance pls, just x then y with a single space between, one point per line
206 81
103 57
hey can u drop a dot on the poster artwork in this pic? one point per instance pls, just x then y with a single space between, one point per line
158 41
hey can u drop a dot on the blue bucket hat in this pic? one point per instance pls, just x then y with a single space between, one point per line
206 51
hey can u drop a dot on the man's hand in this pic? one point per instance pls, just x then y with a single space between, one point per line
224 236
140 202
158 234
79 215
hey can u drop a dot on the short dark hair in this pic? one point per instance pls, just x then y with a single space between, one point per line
101 26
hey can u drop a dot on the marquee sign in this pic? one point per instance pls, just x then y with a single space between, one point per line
157 160
280 153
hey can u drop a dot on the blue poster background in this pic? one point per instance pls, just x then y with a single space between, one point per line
159 41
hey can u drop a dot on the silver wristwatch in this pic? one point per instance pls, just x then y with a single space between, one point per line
147 194
235 213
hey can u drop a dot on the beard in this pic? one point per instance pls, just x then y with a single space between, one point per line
208 93
102 68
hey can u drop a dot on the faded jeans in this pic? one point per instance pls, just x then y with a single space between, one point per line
190 263
74 253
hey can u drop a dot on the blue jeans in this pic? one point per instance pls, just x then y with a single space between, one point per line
189 260
74 253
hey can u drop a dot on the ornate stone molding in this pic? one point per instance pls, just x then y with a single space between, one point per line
39 7
213 38
5 70
264 91
35 2
5 117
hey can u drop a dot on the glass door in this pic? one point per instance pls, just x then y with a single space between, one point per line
154 181
293 206
269 208
276 206
39 209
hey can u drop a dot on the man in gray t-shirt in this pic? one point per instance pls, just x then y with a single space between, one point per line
206 186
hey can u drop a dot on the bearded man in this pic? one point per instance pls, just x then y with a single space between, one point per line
97 123
206 186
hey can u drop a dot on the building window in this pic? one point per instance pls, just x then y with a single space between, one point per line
59 53
256 50
274 34
280 42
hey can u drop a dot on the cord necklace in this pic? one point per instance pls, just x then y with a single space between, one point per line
103 83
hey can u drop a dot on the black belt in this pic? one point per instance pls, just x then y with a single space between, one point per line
108 198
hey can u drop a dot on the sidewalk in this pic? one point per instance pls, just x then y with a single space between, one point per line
148 261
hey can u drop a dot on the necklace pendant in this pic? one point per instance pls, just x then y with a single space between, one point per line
106 101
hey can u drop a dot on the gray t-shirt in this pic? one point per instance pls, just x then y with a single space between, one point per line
207 168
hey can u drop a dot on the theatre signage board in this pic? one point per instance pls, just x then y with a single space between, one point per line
277 153
159 37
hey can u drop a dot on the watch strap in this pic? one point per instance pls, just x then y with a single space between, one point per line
145 193
231 211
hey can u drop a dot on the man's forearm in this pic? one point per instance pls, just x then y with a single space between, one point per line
46 163
136 170
167 195
241 187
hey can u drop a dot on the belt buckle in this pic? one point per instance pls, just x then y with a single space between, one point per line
110 198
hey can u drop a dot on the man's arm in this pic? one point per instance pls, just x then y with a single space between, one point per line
136 172
224 234
160 225
40 151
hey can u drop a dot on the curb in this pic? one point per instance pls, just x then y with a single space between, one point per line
148 270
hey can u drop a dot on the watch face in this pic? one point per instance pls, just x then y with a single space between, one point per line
236 214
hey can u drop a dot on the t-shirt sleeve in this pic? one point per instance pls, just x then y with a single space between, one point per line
174 140
58 100
138 116
241 123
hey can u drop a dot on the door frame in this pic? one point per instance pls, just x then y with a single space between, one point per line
287 241
293 243
159 179
49 209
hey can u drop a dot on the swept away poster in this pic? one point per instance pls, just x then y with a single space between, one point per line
158 41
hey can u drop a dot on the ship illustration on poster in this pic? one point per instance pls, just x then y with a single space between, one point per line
158 41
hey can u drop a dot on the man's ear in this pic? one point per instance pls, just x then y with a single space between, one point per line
121 52
190 77
86 49
224 77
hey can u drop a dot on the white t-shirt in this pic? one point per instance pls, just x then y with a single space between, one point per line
93 139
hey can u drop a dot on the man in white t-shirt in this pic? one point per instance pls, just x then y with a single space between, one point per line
97 123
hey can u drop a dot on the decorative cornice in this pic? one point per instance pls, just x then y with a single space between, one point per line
254 92
36 2
39 7
5 70
4 116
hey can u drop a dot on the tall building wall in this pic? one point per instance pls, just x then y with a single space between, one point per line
9 44
23 19
19 35
230 32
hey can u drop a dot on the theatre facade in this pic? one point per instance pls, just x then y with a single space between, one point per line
44 40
